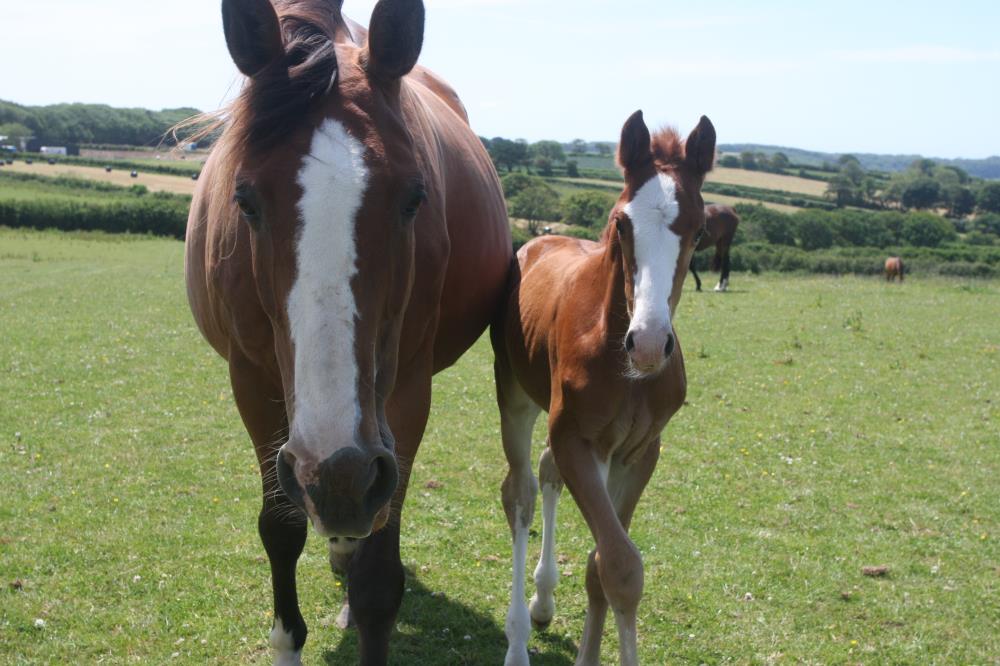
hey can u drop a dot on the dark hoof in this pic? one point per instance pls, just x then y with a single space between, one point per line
540 626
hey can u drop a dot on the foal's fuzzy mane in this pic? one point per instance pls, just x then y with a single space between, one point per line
667 147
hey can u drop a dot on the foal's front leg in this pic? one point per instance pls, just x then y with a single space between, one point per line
614 571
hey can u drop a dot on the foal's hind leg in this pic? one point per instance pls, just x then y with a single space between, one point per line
281 525
517 419
543 603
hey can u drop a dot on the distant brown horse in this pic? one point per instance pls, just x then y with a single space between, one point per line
347 240
893 269
720 228
588 336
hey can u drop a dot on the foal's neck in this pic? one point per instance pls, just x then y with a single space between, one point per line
612 271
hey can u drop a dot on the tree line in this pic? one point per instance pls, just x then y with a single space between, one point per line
76 124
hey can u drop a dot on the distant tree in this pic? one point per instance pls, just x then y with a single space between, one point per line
927 230
846 159
988 197
514 183
543 165
578 146
15 132
729 161
780 162
535 204
920 193
550 150
813 233
572 170
508 153
923 166
486 143
961 201
605 149
841 191
776 227
587 209
748 160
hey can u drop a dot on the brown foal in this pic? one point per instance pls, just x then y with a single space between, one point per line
588 336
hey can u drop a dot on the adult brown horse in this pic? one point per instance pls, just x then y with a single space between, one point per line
720 228
347 240
588 336
893 269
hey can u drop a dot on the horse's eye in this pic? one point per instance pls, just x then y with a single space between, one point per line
411 208
245 206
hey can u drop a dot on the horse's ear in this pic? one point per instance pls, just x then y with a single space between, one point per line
395 37
634 147
699 149
252 34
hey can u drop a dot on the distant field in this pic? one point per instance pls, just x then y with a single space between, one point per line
767 181
831 424
154 181
566 186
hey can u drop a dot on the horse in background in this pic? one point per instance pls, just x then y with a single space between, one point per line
588 336
348 239
893 269
720 228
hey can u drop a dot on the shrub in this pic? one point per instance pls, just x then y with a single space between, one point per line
927 230
587 209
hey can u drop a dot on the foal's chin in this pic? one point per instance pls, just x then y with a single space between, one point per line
638 374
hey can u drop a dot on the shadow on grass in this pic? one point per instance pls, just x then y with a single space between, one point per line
433 629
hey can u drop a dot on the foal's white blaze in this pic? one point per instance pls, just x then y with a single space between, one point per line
321 307
657 249
283 645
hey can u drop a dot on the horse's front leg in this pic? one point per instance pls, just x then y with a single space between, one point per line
281 525
614 571
375 572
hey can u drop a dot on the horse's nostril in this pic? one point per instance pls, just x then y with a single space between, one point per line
669 348
383 482
629 342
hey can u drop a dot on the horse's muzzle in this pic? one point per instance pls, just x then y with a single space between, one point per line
344 494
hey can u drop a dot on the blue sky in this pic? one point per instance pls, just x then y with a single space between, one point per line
850 76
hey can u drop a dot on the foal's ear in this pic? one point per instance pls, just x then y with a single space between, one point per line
634 147
699 149
395 37
252 34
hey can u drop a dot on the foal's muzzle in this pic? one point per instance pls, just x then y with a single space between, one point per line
343 494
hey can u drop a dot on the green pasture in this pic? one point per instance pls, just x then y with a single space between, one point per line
833 424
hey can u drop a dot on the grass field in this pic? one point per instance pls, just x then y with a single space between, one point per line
832 424
156 182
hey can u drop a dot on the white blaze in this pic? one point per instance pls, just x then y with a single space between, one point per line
653 209
321 307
